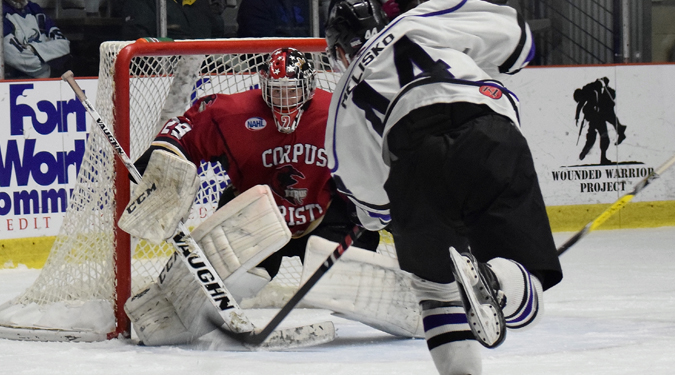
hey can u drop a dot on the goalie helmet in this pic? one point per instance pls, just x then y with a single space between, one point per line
288 82
350 24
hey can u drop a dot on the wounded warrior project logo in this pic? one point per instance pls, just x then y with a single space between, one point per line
598 129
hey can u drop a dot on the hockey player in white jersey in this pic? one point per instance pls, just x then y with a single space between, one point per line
425 141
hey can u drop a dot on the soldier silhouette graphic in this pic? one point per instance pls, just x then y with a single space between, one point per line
596 101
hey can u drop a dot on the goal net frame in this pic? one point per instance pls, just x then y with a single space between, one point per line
121 102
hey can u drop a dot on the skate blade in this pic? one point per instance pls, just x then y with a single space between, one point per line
484 315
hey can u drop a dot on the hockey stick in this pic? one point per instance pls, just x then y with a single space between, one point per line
619 204
193 256
580 129
256 338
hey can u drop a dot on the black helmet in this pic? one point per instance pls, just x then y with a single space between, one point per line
351 23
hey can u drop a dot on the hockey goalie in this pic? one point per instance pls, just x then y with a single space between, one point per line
281 202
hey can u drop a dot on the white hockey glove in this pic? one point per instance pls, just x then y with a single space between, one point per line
238 236
364 286
162 198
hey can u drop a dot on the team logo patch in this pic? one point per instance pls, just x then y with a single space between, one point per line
285 177
206 101
256 123
490 92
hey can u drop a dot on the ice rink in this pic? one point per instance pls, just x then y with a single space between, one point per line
613 313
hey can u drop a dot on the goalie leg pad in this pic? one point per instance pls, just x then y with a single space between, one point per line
364 286
154 318
185 294
162 198
239 235
243 233
173 310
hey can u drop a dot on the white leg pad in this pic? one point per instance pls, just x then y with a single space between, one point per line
364 286
154 318
242 234
524 294
239 235
174 310
192 306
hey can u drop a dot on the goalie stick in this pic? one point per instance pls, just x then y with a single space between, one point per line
616 206
200 267
256 338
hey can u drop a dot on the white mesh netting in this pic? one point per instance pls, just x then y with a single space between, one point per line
75 291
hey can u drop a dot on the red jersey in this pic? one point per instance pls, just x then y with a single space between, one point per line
241 127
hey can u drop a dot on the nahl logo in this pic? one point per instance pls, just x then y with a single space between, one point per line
256 123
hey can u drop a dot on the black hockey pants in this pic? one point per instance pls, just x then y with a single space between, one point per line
464 177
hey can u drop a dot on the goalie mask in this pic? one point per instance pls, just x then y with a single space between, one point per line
288 82
349 25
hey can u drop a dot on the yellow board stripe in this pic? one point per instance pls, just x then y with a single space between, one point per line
33 252
610 211
635 215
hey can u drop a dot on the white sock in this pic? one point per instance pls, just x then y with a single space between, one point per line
451 343
524 293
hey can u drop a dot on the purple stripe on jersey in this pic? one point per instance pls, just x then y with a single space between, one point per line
530 55
435 321
449 10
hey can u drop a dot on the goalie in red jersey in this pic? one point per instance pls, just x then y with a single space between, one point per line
270 136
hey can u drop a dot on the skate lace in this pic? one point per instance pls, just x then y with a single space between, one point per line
492 283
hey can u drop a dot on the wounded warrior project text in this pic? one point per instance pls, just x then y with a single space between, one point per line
596 174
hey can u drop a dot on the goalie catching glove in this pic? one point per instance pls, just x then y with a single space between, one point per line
236 238
162 198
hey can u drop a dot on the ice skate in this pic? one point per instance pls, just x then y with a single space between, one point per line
482 299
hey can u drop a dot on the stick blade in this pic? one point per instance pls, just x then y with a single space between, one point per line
298 337
287 338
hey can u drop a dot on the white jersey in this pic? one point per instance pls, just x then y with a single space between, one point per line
443 51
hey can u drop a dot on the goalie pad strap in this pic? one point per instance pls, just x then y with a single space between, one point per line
162 198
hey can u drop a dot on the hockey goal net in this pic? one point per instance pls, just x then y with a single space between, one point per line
94 267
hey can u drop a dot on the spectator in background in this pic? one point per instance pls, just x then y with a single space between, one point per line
34 47
186 19
273 18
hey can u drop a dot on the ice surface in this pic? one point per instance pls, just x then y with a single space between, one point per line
613 313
